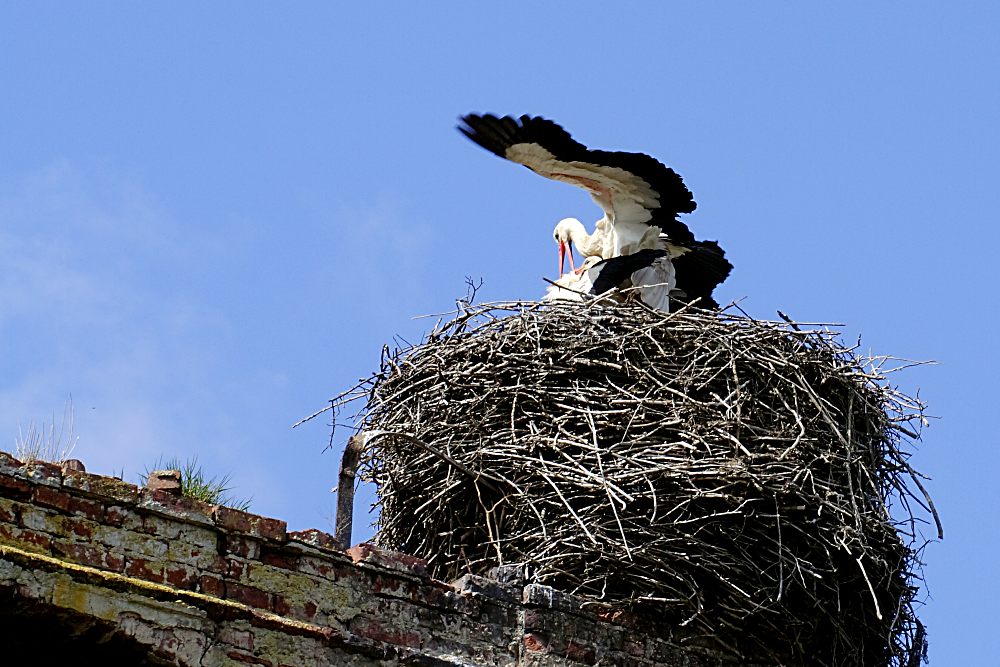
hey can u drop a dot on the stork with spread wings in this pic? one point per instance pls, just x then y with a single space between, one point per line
641 197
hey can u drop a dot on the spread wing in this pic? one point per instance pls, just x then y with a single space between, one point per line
631 188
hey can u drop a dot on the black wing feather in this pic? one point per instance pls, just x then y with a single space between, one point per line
614 272
700 270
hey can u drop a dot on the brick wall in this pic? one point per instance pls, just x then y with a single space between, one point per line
90 562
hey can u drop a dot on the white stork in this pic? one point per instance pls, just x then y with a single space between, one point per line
647 275
641 198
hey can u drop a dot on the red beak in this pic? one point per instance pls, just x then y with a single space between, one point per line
562 257
572 264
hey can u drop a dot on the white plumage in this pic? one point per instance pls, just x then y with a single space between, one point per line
647 275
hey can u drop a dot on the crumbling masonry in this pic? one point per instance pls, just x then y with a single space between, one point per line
93 568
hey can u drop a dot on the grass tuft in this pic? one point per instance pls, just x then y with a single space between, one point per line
196 484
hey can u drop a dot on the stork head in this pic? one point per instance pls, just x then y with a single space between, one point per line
569 229
564 233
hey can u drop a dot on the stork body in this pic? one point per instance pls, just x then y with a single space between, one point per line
575 285
647 275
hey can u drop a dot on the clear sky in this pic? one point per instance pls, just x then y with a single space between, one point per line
213 215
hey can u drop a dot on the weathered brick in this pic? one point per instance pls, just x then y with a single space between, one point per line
114 515
103 487
180 507
271 529
248 659
8 464
9 510
250 524
393 585
43 472
191 555
72 465
383 630
217 565
164 480
230 519
141 568
321 567
25 537
612 637
242 546
662 652
12 487
237 568
154 524
372 555
79 526
534 641
242 639
48 496
548 597
114 561
275 559
280 606
92 509
37 518
138 545
471 583
180 577
315 538
213 586
88 554
248 595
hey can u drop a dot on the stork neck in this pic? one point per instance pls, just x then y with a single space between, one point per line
579 236
582 240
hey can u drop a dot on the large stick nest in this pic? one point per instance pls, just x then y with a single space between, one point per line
741 482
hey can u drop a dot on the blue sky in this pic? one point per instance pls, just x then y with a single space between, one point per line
212 217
